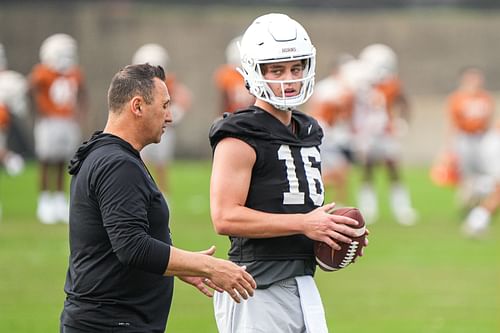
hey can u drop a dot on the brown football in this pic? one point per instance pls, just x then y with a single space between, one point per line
329 259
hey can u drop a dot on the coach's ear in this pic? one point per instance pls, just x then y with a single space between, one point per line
135 105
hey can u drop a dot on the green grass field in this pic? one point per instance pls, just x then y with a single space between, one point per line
421 279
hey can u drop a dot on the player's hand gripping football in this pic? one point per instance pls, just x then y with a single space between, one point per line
322 226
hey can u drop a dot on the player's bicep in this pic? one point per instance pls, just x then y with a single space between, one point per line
231 174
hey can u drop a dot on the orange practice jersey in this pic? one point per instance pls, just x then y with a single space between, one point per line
55 94
179 94
471 113
391 90
330 112
232 86
4 117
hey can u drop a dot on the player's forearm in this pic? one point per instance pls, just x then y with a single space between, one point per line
245 222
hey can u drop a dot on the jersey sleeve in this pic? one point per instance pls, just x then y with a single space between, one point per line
230 127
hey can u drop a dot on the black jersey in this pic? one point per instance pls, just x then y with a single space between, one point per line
119 242
286 177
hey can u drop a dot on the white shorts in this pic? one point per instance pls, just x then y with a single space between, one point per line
490 154
468 149
56 139
336 139
378 148
275 309
162 152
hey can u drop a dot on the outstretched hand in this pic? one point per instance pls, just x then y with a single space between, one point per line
223 276
229 277
202 283
233 279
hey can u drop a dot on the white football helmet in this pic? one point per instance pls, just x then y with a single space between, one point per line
151 53
3 58
59 52
329 90
382 58
233 52
357 75
14 92
276 38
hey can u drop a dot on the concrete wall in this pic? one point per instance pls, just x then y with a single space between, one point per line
433 45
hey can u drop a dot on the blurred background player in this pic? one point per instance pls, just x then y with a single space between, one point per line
478 219
59 96
13 103
331 104
470 110
380 119
368 119
159 155
230 83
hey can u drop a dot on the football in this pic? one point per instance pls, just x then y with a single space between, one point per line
329 259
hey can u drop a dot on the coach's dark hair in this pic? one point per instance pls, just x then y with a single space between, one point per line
131 81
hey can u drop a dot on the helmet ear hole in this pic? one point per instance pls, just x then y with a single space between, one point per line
256 91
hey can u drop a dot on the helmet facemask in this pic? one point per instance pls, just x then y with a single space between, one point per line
263 91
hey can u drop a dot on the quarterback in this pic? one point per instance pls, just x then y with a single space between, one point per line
266 191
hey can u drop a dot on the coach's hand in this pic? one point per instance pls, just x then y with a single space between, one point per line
202 270
233 279
229 277
201 284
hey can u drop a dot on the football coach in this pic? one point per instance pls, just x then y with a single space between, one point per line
122 263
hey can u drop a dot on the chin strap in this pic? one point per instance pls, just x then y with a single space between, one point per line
283 108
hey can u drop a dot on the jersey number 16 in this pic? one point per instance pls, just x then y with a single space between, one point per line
312 175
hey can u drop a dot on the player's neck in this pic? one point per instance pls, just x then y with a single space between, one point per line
284 116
